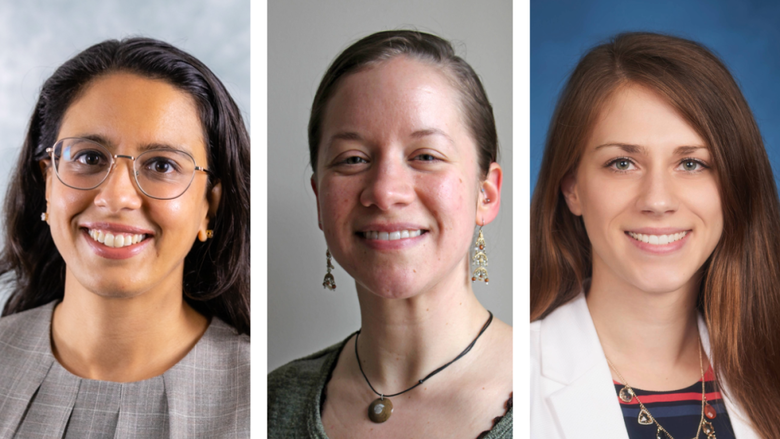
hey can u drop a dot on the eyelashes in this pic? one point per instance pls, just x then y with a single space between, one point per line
356 160
622 165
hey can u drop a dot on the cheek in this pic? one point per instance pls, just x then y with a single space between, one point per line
704 201
337 197
602 201
449 200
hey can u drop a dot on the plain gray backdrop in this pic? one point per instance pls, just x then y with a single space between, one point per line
303 39
38 36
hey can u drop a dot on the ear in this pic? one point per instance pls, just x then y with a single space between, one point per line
490 195
571 194
213 197
316 195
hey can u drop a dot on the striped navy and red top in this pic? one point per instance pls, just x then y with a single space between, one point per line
678 411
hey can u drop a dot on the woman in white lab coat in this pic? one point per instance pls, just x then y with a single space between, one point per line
654 254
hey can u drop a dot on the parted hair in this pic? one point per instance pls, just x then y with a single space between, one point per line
382 46
739 293
216 272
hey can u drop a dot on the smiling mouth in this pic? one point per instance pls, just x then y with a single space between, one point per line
115 240
392 236
658 239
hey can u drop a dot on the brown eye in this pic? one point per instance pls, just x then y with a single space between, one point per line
355 160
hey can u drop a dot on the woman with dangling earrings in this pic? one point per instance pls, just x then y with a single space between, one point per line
127 235
655 258
404 150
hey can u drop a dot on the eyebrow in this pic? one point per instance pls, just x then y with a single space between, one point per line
431 132
639 149
143 148
351 135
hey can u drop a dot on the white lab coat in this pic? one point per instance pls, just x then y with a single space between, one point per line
572 393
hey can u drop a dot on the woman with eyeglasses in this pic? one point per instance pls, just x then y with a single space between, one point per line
127 234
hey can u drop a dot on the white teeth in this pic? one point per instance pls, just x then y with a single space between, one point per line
116 241
658 239
392 236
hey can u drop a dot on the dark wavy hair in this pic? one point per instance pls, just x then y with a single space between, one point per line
382 46
216 272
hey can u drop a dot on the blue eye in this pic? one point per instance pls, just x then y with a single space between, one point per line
622 164
692 165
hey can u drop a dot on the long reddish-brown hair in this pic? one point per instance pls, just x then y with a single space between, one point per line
739 294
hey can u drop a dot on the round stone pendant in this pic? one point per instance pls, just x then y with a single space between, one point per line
626 394
380 410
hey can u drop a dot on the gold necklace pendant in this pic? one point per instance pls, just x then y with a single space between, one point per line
380 410
626 394
708 429
644 417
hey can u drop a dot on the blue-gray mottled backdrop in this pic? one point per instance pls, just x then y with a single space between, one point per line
37 36
745 34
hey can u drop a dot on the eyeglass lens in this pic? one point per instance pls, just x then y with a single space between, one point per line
159 173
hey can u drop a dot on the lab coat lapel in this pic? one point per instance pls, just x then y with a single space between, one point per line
739 421
572 357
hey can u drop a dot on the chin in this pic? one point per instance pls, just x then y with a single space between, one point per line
661 281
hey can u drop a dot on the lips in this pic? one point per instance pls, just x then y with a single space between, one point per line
658 239
391 236
115 240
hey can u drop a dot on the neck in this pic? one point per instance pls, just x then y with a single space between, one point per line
646 335
403 340
120 338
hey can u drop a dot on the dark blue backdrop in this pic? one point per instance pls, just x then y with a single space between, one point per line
744 34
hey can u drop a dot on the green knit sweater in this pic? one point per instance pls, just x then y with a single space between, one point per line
295 390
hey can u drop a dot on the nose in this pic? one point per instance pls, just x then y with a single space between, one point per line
657 193
389 185
119 190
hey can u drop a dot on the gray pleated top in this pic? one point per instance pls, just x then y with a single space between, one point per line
205 395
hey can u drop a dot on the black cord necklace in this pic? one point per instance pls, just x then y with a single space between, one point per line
380 409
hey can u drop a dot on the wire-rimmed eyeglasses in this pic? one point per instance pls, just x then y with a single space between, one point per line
84 164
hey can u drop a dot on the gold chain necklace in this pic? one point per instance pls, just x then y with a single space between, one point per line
627 394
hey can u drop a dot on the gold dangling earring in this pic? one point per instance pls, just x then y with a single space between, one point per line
329 282
480 259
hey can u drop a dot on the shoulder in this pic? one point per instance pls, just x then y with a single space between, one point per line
294 389
27 331
25 359
211 385
303 371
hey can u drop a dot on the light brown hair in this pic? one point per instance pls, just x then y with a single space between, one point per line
382 46
739 293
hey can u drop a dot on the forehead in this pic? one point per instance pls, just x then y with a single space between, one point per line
637 115
130 111
393 97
